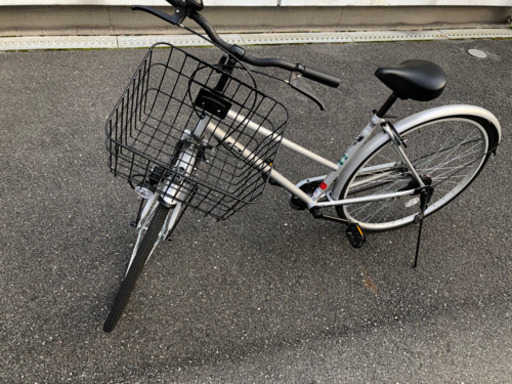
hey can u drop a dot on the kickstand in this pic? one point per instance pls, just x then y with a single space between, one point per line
425 195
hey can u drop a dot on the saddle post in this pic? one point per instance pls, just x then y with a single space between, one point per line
387 105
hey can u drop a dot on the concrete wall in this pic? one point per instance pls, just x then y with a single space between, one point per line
110 19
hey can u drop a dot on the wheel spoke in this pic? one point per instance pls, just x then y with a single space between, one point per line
450 152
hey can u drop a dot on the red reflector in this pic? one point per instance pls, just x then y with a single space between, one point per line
323 186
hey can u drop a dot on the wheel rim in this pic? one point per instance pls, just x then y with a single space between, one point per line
450 152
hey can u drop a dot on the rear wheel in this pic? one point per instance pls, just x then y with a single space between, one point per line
447 153
145 248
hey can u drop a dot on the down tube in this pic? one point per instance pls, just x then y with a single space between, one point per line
260 164
240 119
284 182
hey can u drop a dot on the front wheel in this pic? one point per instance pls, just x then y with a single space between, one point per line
447 152
151 234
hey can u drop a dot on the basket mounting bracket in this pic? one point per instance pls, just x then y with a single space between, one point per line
213 103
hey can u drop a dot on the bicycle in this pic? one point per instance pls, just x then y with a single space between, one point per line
187 133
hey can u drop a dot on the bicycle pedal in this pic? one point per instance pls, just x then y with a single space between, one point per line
355 235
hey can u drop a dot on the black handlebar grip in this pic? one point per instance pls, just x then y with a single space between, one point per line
321 77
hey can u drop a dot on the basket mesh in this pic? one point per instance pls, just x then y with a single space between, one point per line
146 129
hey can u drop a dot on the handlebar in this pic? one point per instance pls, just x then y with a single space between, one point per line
241 54
191 9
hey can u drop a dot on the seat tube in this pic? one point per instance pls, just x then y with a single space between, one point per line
354 147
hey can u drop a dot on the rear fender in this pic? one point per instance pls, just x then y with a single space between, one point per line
488 120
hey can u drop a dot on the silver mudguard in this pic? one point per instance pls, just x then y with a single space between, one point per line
412 121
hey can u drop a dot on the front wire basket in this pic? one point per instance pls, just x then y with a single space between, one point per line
159 107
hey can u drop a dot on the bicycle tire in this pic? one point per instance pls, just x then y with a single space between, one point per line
144 251
472 137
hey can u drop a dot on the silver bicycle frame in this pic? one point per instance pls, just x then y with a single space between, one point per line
327 180
322 196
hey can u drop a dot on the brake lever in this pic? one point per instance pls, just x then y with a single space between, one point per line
294 83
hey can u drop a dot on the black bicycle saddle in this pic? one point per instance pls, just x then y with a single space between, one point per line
414 79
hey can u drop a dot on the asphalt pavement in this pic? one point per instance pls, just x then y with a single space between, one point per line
271 295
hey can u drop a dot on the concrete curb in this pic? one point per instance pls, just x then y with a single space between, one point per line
114 42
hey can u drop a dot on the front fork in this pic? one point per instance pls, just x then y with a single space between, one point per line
176 187
176 191
173 184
